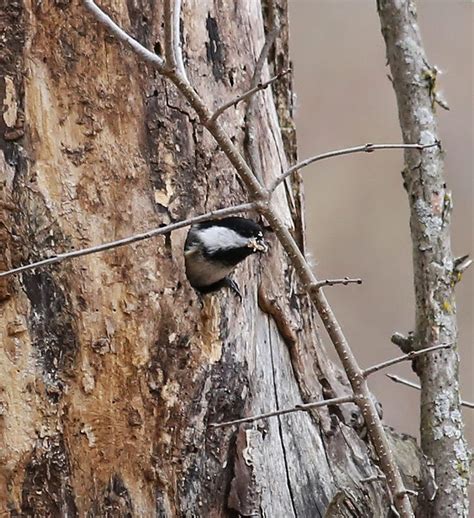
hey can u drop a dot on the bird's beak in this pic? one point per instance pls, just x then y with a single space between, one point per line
257 245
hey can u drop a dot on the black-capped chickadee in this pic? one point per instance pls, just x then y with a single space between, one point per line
214 248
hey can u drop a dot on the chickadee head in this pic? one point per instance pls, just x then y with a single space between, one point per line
214 248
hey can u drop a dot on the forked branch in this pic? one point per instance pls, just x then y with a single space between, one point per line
121 35
261 197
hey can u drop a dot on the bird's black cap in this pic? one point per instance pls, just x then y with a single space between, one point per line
244 227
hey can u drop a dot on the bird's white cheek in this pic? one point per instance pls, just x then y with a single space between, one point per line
221 238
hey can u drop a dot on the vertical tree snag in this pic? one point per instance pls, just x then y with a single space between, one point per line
111 367
442 437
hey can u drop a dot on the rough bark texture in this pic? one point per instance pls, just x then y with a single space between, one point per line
111 367
442 435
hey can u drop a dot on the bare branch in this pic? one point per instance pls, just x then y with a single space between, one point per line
366 148
168 29
132 239
178 49
255 189
172 32
298 408
333 282
403 381
461 264
406 357
262 58
246 95
261 197
120 34
382 478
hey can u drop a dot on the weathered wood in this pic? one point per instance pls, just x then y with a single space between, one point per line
111 366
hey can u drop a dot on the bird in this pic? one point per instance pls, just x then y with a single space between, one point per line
213 249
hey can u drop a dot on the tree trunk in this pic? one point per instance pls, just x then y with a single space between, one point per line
435 277
112 368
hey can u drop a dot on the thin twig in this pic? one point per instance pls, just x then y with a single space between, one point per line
143 52
461 264
168 29
132 239
366 148
406 357
262 58
178 49
403 381
246 95
297 408
333 282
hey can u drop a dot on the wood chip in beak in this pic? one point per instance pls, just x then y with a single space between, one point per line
257 245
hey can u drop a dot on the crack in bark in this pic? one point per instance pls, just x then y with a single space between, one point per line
326 456
280 431
177 108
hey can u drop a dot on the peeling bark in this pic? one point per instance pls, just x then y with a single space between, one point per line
111 366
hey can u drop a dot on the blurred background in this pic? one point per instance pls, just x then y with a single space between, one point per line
356 209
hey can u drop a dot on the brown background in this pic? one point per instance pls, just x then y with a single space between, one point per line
356 208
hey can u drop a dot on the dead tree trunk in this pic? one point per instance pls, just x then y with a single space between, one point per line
111 368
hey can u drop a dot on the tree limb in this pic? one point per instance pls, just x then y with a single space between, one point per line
442 434
298 408
333 282
403 381
121 35
366 148
177 47
261 197
406 357
233 102
131 239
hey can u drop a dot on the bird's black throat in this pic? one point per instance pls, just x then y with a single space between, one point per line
231 256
